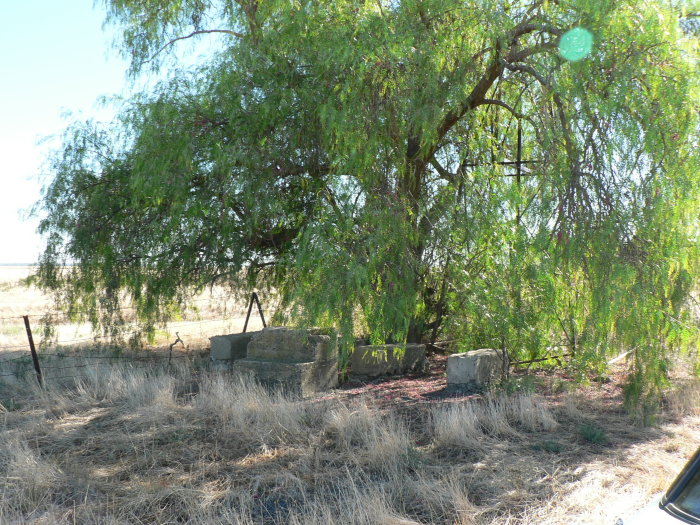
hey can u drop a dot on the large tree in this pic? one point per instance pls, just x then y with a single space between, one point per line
356 157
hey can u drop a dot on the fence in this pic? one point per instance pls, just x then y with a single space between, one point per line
58 360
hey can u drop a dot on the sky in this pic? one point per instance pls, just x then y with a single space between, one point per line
56 61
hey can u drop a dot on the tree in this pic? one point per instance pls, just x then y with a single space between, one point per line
352 155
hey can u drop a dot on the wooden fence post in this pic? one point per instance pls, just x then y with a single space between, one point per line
35 357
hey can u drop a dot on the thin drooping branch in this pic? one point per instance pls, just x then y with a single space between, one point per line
192 34
493 102
492 73
566 129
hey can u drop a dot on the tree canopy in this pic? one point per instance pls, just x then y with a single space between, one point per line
359 158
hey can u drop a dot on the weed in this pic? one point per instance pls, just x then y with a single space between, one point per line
116 446
526 384
554 447
9 405
593 434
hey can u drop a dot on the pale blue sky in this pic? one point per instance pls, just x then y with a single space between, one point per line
54 58
56 61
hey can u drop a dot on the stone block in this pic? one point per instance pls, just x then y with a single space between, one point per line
378 360
474 369
299 379
292 345
223 365
228 347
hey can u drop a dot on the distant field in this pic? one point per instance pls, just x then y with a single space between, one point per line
215 315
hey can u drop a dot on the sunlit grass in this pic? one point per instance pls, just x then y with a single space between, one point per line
125 445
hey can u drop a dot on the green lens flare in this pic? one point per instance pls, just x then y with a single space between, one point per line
576 44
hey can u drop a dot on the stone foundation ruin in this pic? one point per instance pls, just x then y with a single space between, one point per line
476 369
392 359
298 361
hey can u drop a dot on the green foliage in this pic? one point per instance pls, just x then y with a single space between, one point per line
526 384
593 434
553 447
345 156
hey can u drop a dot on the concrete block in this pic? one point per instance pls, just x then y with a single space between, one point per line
292 345
232 346
474 369
223 365
378 360
299 379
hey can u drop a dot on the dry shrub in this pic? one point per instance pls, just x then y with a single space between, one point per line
457 425
684 400
168 505
465 511
28 480
253 413
379 441
351 426
353 501
116 448
465 425
127 386
571 409
494 415
436 499
531 413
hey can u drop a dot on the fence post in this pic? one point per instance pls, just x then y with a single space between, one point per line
254 297
35 357
262 317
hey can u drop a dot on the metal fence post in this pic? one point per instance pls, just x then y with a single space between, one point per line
254 297
35 357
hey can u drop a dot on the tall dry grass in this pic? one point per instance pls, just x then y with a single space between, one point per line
470 425
121 444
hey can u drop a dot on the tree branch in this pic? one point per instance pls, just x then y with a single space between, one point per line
444 174
493 71
492 102
194 33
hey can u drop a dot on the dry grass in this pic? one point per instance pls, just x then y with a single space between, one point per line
128 445
684 399
212 312
137 441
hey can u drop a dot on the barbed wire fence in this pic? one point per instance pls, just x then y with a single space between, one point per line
56 359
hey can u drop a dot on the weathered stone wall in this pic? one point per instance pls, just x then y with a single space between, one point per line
297 361
379 360
292 345
232 346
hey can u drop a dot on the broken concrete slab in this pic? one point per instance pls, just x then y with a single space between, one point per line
292 345
297 379
231 346
475 369
391 359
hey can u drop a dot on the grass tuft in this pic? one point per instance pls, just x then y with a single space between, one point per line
593 434
553 447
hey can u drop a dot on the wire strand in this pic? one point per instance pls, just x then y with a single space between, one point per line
123 309
14 359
